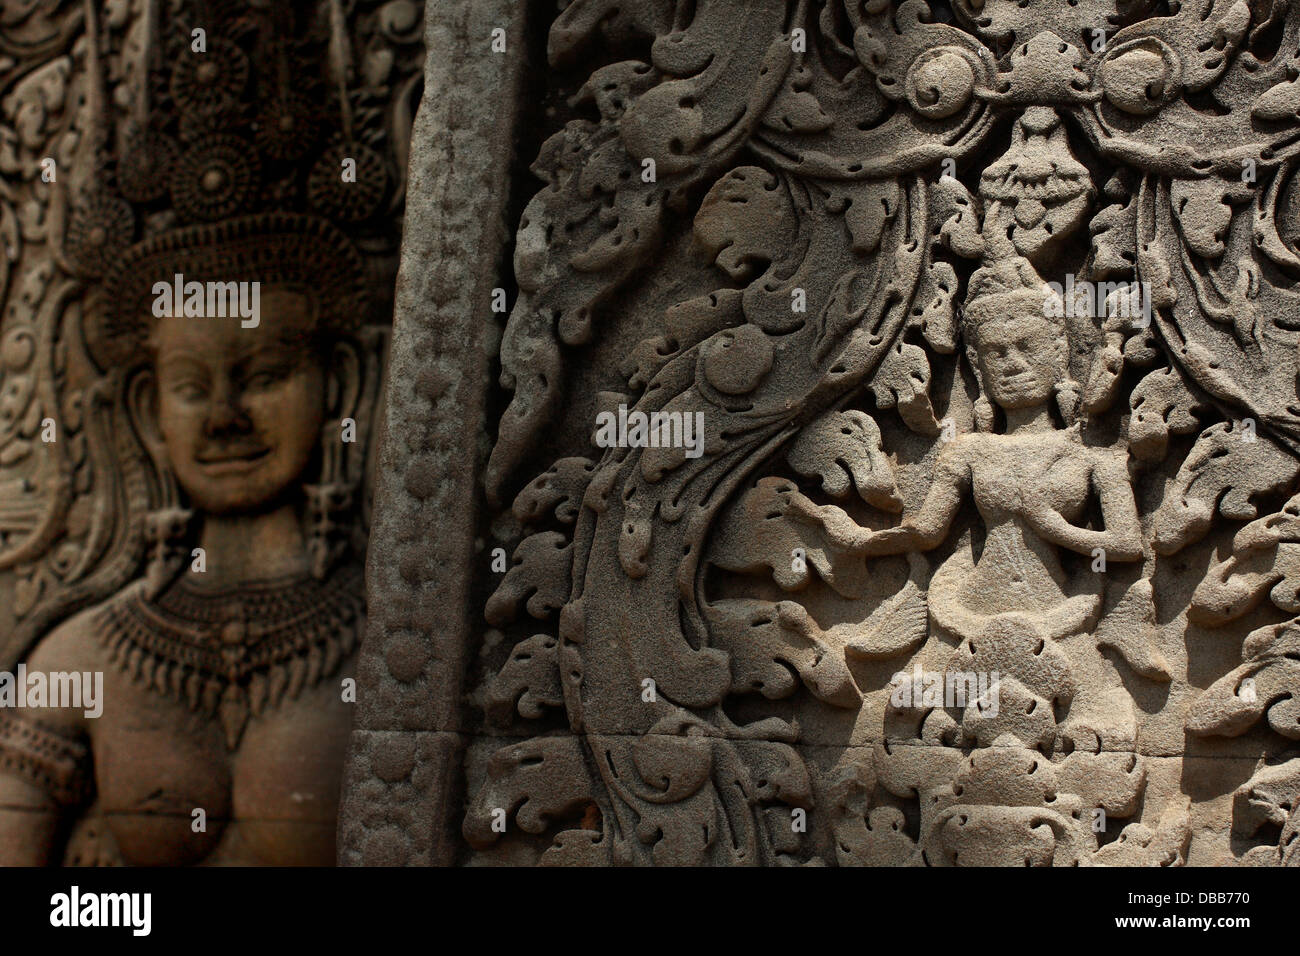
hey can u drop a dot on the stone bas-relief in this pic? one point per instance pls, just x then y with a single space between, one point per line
989 310
187 476
221 667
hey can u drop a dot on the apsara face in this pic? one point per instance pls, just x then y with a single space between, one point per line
240 409
1021 360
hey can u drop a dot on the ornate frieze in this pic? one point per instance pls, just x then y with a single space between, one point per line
987 313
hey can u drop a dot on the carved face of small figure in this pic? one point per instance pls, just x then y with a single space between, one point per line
1021 360
240 410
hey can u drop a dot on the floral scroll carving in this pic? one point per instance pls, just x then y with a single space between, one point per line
989 311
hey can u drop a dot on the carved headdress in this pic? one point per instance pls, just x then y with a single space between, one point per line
248 141
1005 288
302 253
242 109
227 141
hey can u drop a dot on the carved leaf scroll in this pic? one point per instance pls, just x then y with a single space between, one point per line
829 190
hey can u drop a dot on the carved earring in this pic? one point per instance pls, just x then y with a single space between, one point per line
329 506
167 527
982 412
1067 400
166 532
330 503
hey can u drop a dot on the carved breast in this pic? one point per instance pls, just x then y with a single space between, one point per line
1010 474
173 795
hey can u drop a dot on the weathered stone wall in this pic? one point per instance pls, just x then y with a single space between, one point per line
985 312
